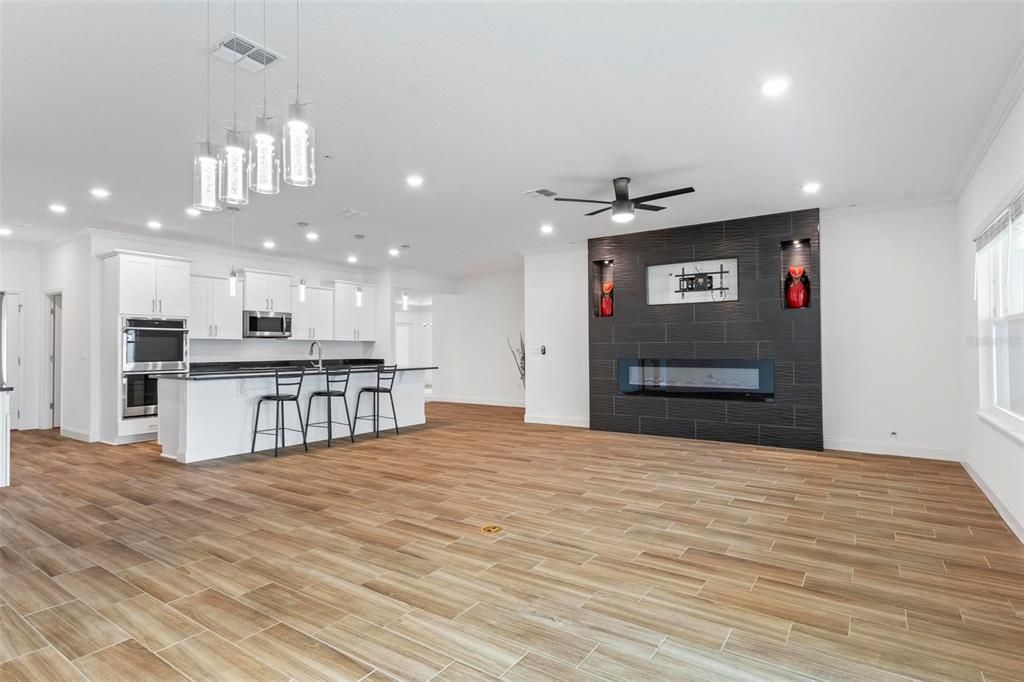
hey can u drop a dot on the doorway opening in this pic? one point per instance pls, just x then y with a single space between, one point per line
52 341
414 332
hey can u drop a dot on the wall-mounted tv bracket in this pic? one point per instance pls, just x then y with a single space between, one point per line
694 282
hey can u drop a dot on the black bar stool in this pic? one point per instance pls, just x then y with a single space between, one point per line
337 386
385 380
284 383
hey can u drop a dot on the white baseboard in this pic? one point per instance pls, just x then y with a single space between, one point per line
1015 526
579 422
894 449
474 401
75 434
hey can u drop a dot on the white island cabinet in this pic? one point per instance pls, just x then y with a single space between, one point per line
205 417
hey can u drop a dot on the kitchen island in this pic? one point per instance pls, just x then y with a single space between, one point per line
208 412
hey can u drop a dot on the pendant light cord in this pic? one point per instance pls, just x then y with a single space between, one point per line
265 68
234 69
207 48
297 99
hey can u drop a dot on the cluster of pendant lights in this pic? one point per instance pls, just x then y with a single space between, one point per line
224 175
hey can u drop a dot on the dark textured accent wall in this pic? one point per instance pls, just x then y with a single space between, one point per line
754 327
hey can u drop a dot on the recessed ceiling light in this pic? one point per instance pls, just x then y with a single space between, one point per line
312 236
268 244
811 187
58 208
393 252
414 181
5 232
154 224
547 228
353 258
192 212
100 192
775 87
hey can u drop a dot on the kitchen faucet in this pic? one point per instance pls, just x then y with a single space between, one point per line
319 354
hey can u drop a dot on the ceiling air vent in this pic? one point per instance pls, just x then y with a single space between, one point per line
245 54
353 213
539 193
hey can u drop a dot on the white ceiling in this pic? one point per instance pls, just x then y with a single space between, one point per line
490 100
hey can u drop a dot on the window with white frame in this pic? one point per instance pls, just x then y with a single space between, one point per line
1000 296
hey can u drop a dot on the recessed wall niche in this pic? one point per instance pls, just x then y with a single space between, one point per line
795 260
603 287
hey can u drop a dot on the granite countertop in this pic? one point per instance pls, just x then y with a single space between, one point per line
201 371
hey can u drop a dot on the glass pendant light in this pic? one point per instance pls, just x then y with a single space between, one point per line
264 160
205 164
302 281
234 157
264 155
405 300
302 291
298 139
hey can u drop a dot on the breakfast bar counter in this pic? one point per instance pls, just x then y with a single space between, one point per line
208 413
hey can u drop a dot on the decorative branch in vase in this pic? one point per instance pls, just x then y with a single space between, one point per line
519 357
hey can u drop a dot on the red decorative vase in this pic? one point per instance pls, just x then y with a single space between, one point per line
797 288
607 305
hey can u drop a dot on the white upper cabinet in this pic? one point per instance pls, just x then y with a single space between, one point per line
322 313
354 312
200 305
216 314
302 317
268 291
314 317
366 315
150 285
137 286
172 287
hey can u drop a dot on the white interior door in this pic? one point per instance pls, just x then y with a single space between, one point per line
14 374
403 343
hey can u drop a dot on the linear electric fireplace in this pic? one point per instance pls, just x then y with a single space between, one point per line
743 379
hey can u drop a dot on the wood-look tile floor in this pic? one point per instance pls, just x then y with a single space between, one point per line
622 558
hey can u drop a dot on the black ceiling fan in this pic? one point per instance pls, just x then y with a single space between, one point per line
623 206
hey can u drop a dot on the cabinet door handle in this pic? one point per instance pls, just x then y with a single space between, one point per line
161 305
154 305
209 329
216 330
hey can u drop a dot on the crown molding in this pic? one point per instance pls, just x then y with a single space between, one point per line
1005 101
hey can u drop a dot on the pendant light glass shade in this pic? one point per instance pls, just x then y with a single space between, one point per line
234 169
302 291
298 147
204 177
233 284
264 158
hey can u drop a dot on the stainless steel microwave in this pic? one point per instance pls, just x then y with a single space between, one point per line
266 325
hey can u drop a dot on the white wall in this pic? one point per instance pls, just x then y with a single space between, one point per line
68 267
556 317
471 329
993 457
890 345
19 273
